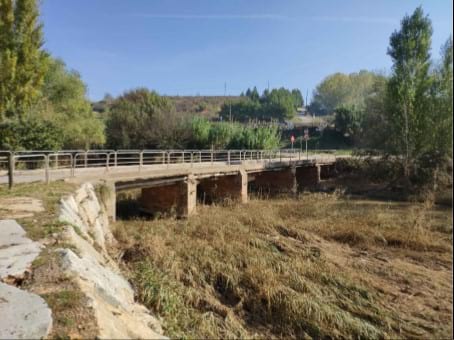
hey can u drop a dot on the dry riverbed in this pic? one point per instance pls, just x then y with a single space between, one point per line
320 265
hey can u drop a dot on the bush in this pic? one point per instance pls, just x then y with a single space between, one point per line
30 135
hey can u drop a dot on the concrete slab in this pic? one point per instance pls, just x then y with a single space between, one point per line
24 315
17 252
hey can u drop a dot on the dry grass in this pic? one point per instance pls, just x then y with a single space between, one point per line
317 266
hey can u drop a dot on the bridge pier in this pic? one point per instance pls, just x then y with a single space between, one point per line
109 199
180 197
275 182
216 189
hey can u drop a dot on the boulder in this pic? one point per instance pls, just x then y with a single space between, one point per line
111 297
23 315
17 252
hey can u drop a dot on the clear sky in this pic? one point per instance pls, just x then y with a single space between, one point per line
190 47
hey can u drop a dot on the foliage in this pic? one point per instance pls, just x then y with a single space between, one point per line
442 100
64 101
342 90
374 125
224 135
23 62
409 85
277 104
31 134
348 121
133 118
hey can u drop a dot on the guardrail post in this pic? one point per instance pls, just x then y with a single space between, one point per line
107 162
192 158
46 162
11 170
85 159
140 160
73 164
168 159
228 157
211 157
115 159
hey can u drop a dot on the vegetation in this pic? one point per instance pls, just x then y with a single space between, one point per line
143 119
407 115
319 266
40 100
343 90
23 62
207 134
277 104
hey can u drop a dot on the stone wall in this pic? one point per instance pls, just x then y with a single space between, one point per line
96 273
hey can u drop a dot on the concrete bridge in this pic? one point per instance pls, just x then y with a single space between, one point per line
176 179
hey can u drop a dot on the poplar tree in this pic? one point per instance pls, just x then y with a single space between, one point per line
22 59
409 86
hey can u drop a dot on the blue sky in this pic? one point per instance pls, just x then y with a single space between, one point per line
190 47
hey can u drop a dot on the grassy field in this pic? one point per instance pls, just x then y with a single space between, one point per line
320 265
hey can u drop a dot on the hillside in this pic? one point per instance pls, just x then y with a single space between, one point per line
206 106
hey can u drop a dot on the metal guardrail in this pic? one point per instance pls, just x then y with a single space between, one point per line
45 165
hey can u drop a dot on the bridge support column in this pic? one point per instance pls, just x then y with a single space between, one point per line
178 197
274 182
308 176
217 189
109 200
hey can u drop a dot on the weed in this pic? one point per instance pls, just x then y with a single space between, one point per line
288 268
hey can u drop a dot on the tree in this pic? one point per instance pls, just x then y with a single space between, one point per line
279 104
348 121
133 120
375 125
31 134
64 101
342 90
442 97
297 98
409 86
23 62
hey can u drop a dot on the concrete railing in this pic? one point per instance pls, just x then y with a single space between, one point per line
41 165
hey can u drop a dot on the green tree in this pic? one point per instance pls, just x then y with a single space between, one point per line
278 104
348 121
375 124
297 98
409 86
64 101
133 121
442 97
23 62
342 90
32 134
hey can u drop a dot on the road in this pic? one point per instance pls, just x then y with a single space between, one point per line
155 170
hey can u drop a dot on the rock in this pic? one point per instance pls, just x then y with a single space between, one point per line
111 297
96 273
24 315
17 252
82 209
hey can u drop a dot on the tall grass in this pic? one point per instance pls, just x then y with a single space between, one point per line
222 135
292 268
